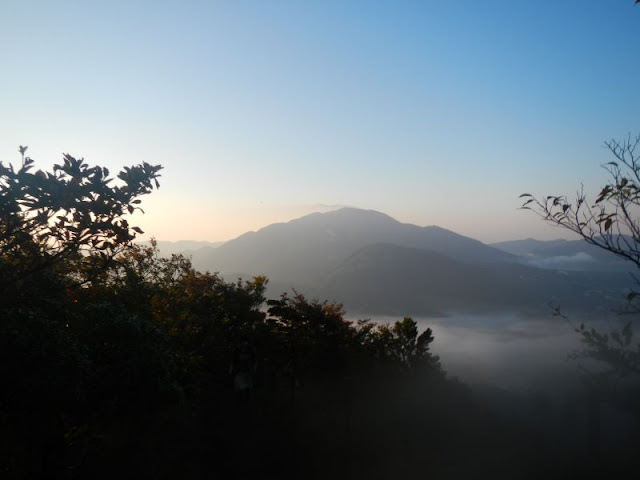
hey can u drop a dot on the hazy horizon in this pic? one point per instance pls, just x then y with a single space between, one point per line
302 209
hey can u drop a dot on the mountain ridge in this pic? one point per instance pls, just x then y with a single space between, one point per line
331 237
367 260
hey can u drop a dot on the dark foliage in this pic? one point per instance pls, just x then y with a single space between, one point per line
118 363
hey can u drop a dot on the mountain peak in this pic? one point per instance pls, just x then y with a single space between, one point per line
348 214
311 246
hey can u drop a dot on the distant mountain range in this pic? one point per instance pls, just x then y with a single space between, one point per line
185 247
303 251
563 254
377 265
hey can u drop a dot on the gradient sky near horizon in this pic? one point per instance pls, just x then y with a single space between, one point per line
434 112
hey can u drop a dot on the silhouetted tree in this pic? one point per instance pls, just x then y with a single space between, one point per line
55 229
612 223
115 361
49 216
400 343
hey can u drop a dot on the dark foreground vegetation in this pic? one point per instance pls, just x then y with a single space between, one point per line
117 363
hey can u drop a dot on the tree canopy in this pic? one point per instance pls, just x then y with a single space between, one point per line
117 361
100 336
73 209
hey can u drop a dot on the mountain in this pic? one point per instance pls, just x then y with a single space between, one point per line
305 250
375 264
564 255
185 247
390 279
393 280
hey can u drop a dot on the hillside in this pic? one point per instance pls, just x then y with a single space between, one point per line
393 280
304 250
375 264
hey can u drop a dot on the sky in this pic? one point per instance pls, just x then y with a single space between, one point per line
436 112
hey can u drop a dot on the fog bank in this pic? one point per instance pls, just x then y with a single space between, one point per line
506 350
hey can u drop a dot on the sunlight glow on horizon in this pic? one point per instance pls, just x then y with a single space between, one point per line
224 224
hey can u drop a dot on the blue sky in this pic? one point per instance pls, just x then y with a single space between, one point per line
435 112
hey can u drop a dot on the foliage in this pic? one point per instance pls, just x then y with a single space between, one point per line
314 334
401 344
319 337
66 357
612 223
115 360
50 216
615 349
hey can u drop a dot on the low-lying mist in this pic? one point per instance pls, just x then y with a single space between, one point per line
521 368
511 351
